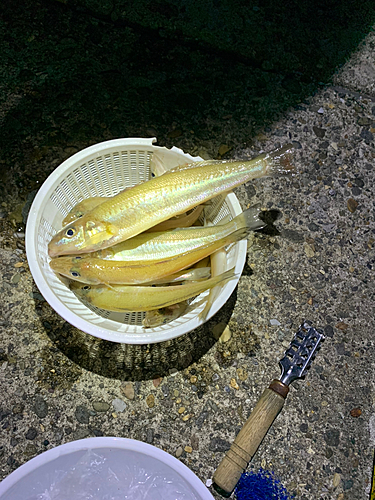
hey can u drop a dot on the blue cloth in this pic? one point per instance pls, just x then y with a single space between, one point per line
261 485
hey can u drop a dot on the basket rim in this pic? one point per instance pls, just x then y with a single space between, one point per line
114 442
144 337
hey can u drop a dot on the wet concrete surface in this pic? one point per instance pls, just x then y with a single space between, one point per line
190 396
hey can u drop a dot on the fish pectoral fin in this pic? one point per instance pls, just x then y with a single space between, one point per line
112 229
110 286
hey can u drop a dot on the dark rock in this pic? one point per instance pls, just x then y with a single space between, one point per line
38 296
59 434
303 427
313 227
328 331
82 414
328 227
329 453
31 433
13 442
40 407
250 190
149 436
366 135
81 433
97 432
165 390
332 437
359 182
319 132
340 348
292 235
364 120
201 418
218 444
352 205
347 484
47 325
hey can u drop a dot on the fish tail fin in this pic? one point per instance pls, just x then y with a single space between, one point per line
224 277
280 161
249 219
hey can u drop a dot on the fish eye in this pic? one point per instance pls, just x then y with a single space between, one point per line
86 287
70 232
75 274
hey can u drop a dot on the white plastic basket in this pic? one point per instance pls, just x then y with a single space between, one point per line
103 170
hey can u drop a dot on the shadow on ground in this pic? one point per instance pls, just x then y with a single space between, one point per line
124 361
194 74
76 72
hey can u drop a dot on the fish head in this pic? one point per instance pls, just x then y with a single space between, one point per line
82 236
81 290
75 268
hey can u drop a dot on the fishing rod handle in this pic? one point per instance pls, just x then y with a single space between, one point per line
250 436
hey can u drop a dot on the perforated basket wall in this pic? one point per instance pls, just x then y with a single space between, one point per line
104 170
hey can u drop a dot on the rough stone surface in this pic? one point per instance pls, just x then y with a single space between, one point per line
315 259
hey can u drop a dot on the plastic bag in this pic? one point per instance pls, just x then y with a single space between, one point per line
94 478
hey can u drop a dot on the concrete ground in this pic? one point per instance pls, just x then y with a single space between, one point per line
190 396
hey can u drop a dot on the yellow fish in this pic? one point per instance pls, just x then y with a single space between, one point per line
169 244
84 206
150 257
144 298
136 209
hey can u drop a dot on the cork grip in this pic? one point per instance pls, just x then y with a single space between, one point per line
250 436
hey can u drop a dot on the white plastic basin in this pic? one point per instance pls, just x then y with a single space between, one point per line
104 468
